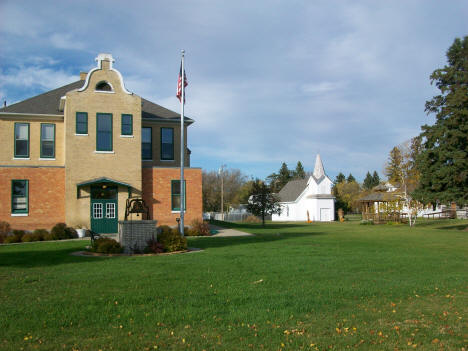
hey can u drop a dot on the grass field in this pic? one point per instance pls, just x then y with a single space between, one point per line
289 287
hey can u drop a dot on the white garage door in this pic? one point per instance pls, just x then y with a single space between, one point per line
325 214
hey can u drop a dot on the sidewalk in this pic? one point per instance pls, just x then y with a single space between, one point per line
225 232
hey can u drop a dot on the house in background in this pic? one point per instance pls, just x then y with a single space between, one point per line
75 154
308 199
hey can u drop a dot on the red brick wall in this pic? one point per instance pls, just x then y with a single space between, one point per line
157 194
46 197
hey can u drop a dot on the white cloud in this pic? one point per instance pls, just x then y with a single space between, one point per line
34 76
66 41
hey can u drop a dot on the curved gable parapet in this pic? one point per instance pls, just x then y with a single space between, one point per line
104 62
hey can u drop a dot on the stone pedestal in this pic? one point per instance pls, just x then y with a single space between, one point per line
133 235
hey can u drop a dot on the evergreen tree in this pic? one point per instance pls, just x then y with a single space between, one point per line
375 179
368 181
299 173
350 178
443 161
340 178
393 170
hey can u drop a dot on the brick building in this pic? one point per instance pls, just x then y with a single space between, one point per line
75 154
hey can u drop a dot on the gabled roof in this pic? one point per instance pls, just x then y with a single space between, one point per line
48 103
292 190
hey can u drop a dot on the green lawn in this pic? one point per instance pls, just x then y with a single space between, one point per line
290 287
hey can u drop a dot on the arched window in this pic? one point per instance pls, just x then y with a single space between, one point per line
103 86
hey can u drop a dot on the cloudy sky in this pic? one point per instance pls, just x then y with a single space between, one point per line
269 81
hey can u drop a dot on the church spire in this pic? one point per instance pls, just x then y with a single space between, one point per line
319 172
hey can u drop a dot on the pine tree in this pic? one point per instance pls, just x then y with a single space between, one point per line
299 173
340 178
284 175
443 161
368 181
350 178
393 170
375 179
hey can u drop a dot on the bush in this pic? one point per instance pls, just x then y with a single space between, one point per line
12 239
40 234
60 231
49 236
252 219
171 239
199 228
28 237
367 222
153 246
4 230
106 245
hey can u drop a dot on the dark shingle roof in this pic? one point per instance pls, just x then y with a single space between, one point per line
292 190
48 103
381 196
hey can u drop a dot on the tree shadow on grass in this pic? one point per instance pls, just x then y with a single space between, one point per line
455 227
41 254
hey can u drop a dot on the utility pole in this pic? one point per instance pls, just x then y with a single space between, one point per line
221 172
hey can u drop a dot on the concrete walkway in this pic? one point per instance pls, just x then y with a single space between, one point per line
225 232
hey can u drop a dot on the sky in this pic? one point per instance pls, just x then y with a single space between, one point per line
269 81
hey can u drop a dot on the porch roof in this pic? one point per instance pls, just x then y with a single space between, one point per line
103 180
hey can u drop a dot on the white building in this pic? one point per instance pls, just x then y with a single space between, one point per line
308 199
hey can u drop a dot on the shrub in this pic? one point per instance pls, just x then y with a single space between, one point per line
4 230
199 228
252 219
153 246
12 239
40 234
171 239
367 222
106 245
49 236
60 231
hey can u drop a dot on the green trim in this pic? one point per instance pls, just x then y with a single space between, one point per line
122 124
111 131
85 114
53 140
161 144
13 211
151 144
14 138
173 195
103 180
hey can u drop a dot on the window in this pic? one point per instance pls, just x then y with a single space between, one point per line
22 140
103 86
110 210
47 140
97 210
81 123
175 195
19 196
127 125
167 143
146 144
104 132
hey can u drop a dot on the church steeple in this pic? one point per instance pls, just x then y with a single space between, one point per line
319 172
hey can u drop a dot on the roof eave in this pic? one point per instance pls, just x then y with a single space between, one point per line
36 116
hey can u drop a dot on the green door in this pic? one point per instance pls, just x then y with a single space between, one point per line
104 214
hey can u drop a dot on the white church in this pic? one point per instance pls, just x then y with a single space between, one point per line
308 199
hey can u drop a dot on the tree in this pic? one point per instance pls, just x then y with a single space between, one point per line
278 180
443 161
350 178
368 182
347 194
262 202
393 169
375 179
299 173
233 180
340 178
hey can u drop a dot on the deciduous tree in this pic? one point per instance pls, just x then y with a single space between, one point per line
262 201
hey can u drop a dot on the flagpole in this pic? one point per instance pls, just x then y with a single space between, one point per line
182 150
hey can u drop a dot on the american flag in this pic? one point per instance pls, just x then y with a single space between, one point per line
179 83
